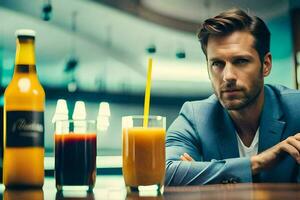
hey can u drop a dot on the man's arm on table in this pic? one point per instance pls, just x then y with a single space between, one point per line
268 158
198 172
182 138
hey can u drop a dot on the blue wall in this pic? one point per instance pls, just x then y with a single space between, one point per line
282 51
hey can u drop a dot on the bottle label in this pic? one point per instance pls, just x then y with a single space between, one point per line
24 129
25 68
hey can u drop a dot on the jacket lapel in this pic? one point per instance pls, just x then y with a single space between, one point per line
271 127
226 136
271 123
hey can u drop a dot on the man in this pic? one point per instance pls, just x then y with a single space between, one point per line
246 131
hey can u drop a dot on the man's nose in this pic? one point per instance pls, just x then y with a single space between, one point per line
229 73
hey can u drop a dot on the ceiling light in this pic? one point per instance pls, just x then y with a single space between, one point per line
151 49
72 85
180 54
47 11
71 64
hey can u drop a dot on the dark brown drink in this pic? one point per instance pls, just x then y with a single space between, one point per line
75 160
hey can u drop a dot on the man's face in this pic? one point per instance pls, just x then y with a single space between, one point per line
235 70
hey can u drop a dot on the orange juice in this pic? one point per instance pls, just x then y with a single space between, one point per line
143 156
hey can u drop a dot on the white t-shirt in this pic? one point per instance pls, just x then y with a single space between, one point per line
245 151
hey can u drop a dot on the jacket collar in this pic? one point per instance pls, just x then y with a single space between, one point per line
271 121
271 127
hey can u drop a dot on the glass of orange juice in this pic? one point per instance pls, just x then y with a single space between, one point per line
144 153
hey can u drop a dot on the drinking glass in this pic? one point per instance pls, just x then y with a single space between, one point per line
75 154
144 153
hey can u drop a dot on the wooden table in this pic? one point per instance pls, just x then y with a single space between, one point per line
112 188
235 191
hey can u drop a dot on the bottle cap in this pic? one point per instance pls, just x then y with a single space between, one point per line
61 111
79 111
25 32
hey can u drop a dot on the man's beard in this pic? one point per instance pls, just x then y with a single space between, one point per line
248 99
244 99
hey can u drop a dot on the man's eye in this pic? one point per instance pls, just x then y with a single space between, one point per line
218 64
241 61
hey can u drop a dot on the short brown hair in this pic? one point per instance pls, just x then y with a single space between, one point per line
236 20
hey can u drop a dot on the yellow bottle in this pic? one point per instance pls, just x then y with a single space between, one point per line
24 98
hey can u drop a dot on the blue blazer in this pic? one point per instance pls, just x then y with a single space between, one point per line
205 131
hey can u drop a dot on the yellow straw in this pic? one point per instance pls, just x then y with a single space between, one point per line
147 93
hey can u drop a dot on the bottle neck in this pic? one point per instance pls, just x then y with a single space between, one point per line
25 55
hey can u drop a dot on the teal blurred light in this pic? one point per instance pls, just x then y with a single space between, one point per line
1 100
7 72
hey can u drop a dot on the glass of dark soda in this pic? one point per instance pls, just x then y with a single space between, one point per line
75 154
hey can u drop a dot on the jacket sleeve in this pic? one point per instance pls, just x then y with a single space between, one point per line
298 175
182 138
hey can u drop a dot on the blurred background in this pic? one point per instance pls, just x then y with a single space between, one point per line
96 51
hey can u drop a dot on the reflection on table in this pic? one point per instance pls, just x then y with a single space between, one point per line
235 191
113 188
75 195
9 194
135 196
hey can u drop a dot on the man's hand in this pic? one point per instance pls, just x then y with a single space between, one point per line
268 158
186 157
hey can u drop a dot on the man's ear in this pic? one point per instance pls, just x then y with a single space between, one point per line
267 64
